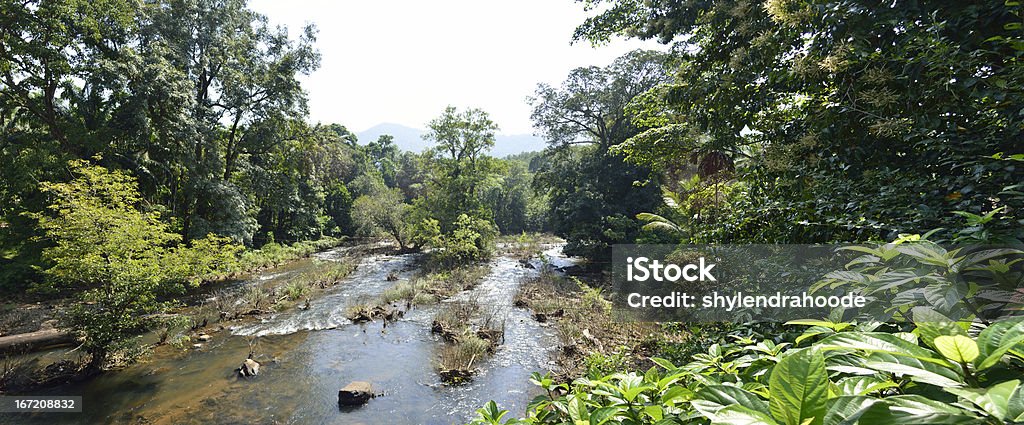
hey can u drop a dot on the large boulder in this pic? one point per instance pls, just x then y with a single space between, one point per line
249 368
356 393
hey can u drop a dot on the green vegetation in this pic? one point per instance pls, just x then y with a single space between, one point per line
470 332
928 369
592 192
425 288
790 121
151 147
861 374
115 259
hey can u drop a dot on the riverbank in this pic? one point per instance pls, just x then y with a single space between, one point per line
198 315
591 342
33 312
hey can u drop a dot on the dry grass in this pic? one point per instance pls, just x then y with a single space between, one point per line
470 333
456 360
12 369
403 291
423 298
430 288
453 318
526 245
583 320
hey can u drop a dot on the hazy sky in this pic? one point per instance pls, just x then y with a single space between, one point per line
404 61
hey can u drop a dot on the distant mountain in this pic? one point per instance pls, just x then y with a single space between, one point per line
411 139
407 138
505 145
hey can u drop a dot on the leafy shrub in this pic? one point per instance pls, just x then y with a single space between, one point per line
273 254
936 374
119 260
598 365
471 240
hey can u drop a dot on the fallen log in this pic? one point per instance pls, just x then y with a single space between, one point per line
35 341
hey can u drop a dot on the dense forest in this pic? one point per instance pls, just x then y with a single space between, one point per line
149 148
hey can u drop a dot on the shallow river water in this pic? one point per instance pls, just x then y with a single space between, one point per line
307 355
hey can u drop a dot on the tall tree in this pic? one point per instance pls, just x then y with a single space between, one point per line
383 156
243 73
594 194
458 157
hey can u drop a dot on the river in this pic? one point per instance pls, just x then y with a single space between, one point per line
308 355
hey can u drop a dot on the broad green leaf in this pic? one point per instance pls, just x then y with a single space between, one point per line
846 410
1015 405
676 394
931 324
812 332
667 365
916 410
927 253
863 385
879 342
709 400
577 409
630 394
1005 336
603 414
798 388
915 369
825 323
958 348
740 415
993 400
975 258
655 412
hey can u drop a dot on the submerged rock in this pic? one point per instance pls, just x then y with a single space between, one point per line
356 393
456 376
249 368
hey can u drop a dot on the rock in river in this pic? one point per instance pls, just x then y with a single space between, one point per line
355 394
249 368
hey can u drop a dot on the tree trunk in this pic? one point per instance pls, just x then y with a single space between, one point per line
35 341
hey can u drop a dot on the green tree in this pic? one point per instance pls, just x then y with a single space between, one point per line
508 194
384 212
849 121
593 193
383 156
116 258
458 163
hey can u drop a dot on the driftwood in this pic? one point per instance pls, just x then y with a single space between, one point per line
34 341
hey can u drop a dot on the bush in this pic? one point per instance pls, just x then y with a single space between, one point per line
118 259
471 240
856 374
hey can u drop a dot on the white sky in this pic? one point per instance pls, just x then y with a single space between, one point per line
404 61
